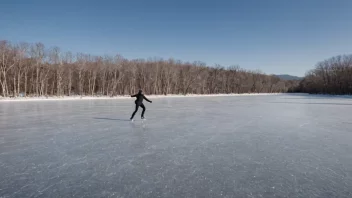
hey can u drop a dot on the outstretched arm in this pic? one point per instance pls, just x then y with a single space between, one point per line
147 99
133 95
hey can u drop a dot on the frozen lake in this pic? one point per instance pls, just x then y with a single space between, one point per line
245 146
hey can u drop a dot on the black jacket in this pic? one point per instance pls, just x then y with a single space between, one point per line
139 98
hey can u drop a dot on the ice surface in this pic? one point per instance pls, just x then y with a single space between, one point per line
250 146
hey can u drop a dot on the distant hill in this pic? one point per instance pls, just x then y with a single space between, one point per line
288 77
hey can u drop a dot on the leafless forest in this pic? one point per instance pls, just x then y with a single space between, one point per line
332 76
33 70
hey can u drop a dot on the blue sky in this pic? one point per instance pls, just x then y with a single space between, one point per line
275 36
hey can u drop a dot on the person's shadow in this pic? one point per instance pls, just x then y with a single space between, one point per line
124 120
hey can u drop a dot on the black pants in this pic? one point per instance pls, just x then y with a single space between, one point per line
135 111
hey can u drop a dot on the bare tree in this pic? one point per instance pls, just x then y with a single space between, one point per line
331 76
8 61
40 71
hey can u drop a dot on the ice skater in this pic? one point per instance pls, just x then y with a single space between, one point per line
139 103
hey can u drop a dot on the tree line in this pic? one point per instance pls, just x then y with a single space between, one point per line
34 70
331 76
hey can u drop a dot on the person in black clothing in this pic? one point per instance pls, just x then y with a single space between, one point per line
139 103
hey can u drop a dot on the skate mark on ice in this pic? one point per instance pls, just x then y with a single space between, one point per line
304 124
125 120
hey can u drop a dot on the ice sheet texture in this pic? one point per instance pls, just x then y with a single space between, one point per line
250 146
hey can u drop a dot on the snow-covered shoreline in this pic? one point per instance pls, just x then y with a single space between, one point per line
50 98
64 98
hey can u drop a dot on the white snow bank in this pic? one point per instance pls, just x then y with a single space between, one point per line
43 98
